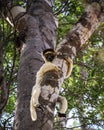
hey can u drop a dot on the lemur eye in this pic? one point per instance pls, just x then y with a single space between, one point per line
50 57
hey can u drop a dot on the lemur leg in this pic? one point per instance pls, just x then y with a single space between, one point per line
63 104
62 110
34 101
35 95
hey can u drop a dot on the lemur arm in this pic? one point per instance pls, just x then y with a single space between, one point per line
49 54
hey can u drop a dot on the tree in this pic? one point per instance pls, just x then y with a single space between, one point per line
37 32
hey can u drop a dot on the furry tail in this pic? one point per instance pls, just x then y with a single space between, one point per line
33 111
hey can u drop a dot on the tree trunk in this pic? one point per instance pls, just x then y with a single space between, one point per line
37 28
40 34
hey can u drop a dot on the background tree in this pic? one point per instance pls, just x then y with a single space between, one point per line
84 98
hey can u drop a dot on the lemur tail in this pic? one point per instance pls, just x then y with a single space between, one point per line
32 111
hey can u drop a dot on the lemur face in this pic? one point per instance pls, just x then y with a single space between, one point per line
48 55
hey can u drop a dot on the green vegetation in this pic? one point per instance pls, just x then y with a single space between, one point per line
84 90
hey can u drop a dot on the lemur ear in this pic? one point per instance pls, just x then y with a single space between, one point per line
48 55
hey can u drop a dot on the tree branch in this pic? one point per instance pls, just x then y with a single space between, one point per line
4 90
65 52
76 38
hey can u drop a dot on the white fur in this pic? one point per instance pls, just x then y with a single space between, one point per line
34 101
37 88
45 91
63 104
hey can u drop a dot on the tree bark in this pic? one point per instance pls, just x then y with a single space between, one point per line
78 35
82 30
39 28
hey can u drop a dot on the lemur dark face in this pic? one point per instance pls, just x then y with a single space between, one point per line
49 55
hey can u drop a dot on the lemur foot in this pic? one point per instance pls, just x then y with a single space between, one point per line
61 114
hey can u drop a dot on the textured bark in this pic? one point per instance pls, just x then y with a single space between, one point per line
78 35
39 35
81 31
39 28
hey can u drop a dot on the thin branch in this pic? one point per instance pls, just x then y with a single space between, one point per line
3 88
12 69
58 11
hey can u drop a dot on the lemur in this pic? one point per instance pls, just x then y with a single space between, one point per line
39 86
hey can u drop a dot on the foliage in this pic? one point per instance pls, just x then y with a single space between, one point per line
84 90
10 64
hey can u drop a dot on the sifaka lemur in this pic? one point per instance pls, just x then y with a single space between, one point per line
47 76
